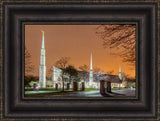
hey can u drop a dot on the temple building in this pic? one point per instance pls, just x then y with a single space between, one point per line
91 79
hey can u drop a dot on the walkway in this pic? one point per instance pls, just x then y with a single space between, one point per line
97 93
129 92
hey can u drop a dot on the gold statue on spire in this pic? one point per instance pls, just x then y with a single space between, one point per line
42 32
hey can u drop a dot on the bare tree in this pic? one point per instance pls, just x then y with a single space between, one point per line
84 74
28 64
62 63
50 71
110 72
121 37
97 70
84 67
71 71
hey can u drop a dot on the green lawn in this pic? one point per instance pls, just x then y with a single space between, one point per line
86 89
47 89
53 89
90 89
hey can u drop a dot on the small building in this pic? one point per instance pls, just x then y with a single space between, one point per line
114 79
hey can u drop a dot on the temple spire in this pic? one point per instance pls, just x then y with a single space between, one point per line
91 74
119 68
91 62
42 38
120 76
42 66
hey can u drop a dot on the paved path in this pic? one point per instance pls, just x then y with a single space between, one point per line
129 92
97 93
86 94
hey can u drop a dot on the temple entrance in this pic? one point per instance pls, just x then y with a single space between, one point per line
105 91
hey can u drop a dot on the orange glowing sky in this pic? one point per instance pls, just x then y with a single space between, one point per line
74 41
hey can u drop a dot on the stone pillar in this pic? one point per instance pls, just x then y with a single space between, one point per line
68 86
102 89
56 86
34 86
83 87
109 87
75 86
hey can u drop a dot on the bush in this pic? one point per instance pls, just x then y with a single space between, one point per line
33 82
29 78
26 80
133 85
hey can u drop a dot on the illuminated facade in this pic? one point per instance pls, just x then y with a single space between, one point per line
91 79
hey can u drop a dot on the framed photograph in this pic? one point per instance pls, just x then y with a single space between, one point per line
84 60
72 60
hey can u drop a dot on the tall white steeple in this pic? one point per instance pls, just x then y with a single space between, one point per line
42 67
120 76
91 73
91 62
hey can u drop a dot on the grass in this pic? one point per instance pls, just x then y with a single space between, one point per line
53 89
90 89
86 89
46 89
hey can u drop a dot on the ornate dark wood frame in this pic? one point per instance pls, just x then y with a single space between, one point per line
145 106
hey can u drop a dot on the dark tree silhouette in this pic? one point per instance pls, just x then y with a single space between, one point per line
121 37
30 78
71 71
84 74
28 64
84 67
62 63
28 68
110 72
97 70
50 71
73 74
